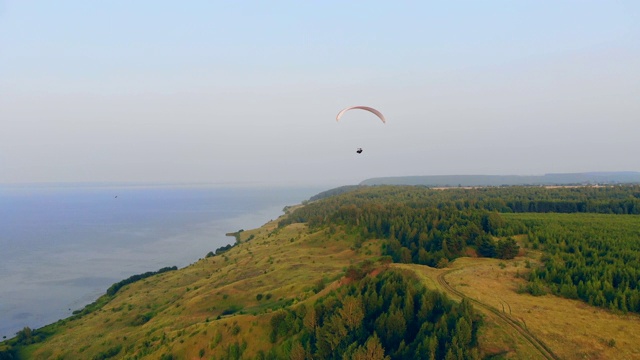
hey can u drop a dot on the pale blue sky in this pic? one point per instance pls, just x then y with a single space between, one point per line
247 91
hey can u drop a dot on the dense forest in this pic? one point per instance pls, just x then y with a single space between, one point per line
389 316
589 234
592 257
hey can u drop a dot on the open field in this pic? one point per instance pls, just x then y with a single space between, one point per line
571 329
497 337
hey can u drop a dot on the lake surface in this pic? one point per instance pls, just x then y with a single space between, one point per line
61 247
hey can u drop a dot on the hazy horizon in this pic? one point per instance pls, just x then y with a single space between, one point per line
247 93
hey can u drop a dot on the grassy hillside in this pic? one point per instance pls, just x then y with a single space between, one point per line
211 304
253 300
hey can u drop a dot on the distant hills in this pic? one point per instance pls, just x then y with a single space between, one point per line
588 178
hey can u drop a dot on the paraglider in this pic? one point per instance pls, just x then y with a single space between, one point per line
367 108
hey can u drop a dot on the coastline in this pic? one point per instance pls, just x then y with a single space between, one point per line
85 273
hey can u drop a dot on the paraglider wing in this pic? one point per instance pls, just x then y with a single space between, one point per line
370 109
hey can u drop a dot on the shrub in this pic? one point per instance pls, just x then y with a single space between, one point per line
235 330
442 263
109 353
141 319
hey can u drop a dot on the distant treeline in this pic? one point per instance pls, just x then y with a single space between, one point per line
620 177
619 199
590 258
113 289
428 226
334 192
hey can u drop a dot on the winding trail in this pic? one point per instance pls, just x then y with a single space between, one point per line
545 351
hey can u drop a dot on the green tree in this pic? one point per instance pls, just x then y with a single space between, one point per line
487 248
372 350
507 248
351 312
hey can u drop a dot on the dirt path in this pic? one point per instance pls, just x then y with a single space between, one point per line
532 339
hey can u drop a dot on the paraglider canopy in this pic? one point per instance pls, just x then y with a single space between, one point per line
370 109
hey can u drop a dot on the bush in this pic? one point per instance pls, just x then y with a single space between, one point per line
231 310
442 263
534 288
113 289
611 343
108 353
141 319
318 285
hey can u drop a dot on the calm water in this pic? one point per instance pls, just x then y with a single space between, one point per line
62 247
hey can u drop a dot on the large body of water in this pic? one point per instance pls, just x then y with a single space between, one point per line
61 247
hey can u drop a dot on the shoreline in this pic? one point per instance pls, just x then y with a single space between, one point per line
99 262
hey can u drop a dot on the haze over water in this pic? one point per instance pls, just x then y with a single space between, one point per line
62 247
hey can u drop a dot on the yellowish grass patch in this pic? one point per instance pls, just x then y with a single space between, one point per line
571 328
